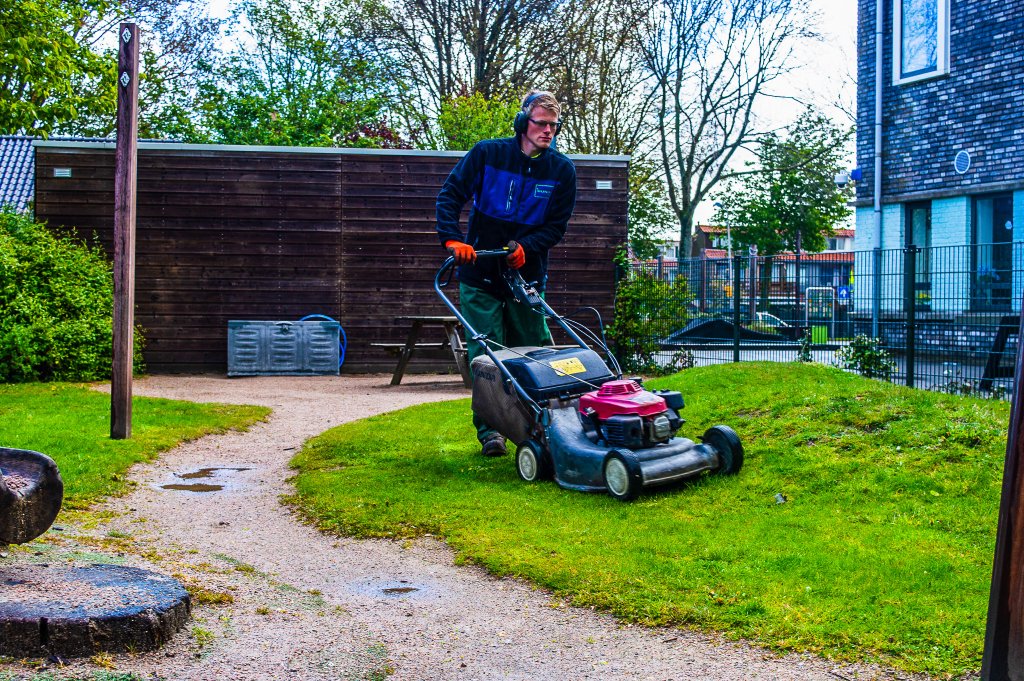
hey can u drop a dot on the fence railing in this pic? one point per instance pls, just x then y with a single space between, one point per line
947 317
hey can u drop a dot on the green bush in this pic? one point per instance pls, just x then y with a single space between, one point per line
467 119
867 357
647 311
56 306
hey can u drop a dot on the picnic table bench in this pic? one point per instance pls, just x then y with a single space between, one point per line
450 347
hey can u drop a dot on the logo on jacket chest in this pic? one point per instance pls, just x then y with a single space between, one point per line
543 191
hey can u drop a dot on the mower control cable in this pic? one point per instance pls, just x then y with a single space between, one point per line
587 332
534 359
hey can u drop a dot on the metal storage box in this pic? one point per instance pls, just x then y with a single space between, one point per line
260 348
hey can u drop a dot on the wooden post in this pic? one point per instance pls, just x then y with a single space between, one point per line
124 230
1004 634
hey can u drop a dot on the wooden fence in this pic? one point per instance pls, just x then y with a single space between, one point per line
279 233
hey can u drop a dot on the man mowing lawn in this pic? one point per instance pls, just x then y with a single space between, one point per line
523 192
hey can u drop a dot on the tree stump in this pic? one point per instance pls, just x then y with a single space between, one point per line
79 611
31 493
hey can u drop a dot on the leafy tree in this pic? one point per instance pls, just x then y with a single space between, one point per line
433 50
44 56
649 217
299 79
177 41
606 93
791 195
56 306
469 118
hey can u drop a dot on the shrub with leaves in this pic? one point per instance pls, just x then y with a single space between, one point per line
867 357
804 353
56 306
470 118
647 311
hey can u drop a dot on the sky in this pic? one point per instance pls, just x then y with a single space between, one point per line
826 76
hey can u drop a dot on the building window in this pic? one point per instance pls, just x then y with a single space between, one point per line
992 236
920 40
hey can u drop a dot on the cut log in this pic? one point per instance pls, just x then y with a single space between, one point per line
31 493
78 611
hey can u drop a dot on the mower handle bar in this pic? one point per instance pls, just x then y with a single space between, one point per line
515 278
472 334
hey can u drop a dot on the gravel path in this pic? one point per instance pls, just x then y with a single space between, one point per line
309 606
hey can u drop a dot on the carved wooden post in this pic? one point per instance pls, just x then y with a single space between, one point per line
124 230
1004 635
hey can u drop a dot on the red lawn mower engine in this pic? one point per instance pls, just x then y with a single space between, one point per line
623 414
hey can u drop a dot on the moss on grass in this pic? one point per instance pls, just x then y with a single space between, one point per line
883 550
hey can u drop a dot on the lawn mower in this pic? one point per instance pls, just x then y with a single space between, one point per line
573 418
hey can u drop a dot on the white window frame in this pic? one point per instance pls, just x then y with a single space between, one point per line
942 49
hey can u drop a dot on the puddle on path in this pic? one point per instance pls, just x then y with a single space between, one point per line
196 487
396 589
207 472
199 474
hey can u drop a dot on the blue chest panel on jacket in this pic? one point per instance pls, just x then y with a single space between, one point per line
505 195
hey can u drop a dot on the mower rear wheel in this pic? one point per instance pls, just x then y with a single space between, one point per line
726 442
622 476
531 465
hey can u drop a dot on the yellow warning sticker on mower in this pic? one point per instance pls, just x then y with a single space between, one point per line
568 366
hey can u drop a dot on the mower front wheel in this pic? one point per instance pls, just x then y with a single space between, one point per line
530 462
726 442
622 476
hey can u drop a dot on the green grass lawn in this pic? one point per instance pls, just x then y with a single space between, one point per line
71 424
883 551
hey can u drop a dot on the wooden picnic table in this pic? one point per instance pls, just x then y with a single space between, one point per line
451 346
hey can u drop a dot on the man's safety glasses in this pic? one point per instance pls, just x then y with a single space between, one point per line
554 125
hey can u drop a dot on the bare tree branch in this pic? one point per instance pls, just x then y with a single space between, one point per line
712 61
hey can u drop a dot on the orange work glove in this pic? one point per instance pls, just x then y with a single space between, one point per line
517 258
464 253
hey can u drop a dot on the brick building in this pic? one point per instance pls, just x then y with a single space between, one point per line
952 138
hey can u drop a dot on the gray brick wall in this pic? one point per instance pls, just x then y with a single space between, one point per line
979 107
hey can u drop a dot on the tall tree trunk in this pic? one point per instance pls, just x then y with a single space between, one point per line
685 236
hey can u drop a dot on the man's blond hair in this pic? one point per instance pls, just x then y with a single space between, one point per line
544 100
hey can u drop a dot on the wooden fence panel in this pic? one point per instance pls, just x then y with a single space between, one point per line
269 234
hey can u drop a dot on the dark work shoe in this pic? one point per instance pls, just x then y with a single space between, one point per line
494 446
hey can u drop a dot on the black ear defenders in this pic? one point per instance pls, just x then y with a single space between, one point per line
522 119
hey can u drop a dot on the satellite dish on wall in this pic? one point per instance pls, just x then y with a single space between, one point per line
962 162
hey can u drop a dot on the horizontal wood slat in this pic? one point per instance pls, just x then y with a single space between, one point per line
264 235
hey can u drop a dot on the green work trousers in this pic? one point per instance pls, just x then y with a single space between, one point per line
505 321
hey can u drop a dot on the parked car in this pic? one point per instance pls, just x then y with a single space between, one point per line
767 319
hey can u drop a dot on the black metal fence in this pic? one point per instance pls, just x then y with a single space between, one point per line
944 318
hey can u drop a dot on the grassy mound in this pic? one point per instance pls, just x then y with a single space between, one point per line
71 424
883 550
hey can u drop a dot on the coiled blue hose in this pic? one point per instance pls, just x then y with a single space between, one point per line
342 342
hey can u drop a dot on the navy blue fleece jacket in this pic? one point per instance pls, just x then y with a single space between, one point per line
515 197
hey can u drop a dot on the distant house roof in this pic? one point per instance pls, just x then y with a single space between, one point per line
709 229
17 171
832 256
